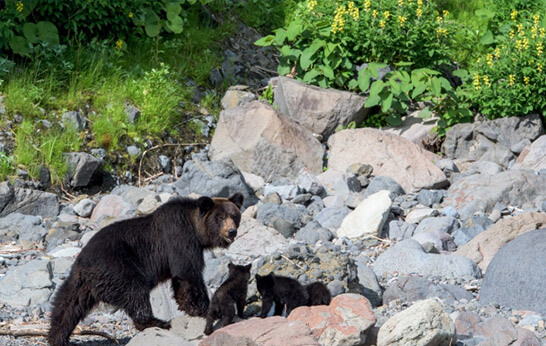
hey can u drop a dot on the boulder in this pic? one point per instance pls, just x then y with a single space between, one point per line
236 96
515 277
408 256
27 285
256 331
111 207
533 157
368 218
480 192
75 120
379 183
319 110
424 323
367 279
485 245
265 142
414 128
346 321
412 288
17 227
389 155
85 207
27 201
158 337
81 168
220 178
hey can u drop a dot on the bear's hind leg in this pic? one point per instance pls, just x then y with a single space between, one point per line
138 307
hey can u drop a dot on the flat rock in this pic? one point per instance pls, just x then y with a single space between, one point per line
346 321
389 155
27 201
368 218
158 337
319 110
533 157
408 256
27 285
479 192
111 206
419 214
261 140
485 245
515 277
424 323
413 288
414 128
256 331
17 227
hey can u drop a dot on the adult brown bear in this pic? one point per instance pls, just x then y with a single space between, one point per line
123 262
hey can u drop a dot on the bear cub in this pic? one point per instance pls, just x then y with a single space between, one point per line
282 291
318 293
125 260
232 292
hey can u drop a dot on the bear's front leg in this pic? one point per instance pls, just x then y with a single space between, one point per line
191 297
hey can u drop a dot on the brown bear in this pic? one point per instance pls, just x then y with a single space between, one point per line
123 262
281 290
318 294
232 292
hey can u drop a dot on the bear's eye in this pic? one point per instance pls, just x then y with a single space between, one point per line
222 216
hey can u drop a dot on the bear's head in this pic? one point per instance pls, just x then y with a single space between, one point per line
220 219
265 283
237 271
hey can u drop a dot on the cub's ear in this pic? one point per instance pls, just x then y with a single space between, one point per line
205 204
230 265
258 276
248 266
237 199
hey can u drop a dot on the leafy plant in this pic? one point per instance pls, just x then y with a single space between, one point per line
267 94
7 165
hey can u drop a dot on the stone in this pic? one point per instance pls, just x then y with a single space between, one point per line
497 330
447 166
370 287
408 256
27 201
313 232
484 167
132 113
484 246
412 288
534 157
445 224
398 230
514 277
220 178
409 165
265 142
424 323
292 213
286 192
133 150
419 214
235 97
158 337
256 331
27 285
272 198
65 252
81 168
414 128
85 207
308 182
332 217
164 164
430 197
17 227
335 183
111 206
319 110
131 194
368 218
380 183
441 240
163 304
480 193
255 182
149 204
346 321
75 120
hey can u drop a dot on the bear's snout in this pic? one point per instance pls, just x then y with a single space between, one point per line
232 233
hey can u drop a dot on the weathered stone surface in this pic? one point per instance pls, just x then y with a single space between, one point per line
236 96
75 120
81 167
379 183
17 226
345 321
533 157
111 206
263 141
368 218
370 287
158 337
407 257
27 201
27 285
412 288
480 192
414 128
256 331
485 245
85 207
495 330
515 277
319 110
389 155
424 323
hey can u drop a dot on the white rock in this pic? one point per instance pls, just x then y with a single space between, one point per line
368 218
418 214
65 252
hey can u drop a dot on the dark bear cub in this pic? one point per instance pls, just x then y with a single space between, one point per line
232 292
281 290
318 293
123 262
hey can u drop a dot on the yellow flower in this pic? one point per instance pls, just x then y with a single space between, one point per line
526 79
512 34
539 66
445 13
476 82
374 13
514 15
541 32
382 24
486 80
497 52
402 20
400 3
439 19
387 14
525 43
353 11
130 15
420 3
419 12
539 48
119 44
339 19
512 79
536 19
520 29
534 30
441 32
489 58
311 4
19 6
367 5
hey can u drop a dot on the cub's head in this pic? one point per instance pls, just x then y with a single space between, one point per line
220 220
237 271
265 283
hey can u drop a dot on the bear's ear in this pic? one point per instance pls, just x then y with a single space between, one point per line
237 199
205 204
258 277
248 266
230 265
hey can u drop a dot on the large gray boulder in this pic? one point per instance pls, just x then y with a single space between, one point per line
496 141
480 192
20 227
81 168
516 277
27 201
27 285
412 288
390 155
408 257
262 141
319 110
533 157
220 178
